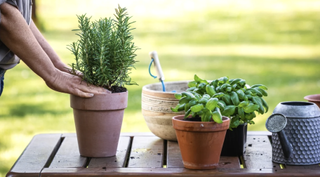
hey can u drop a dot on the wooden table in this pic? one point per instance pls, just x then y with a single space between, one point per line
143 154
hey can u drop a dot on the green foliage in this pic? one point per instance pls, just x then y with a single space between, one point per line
105 52
228 97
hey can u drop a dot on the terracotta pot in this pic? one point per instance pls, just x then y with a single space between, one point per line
98 123
200 142
156 104
313 98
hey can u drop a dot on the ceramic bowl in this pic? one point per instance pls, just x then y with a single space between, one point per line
156 107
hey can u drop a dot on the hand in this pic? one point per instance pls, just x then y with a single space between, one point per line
68 83
40 57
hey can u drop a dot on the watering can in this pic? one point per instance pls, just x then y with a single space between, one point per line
295 128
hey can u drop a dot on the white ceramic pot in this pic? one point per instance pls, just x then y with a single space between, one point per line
156 106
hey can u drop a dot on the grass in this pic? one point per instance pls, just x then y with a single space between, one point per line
275 43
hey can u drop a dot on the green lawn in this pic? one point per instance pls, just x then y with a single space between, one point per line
275 43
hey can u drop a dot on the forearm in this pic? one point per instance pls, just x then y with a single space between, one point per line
17 36
30 46
55 59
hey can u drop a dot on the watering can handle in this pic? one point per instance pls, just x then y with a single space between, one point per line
285 144
276 124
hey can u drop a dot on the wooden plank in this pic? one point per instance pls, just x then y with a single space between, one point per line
146 160
302 167
134 172
115 161
68 155
146 152
305 170
174 159
36 155
231 162
282 168
163 172
258 154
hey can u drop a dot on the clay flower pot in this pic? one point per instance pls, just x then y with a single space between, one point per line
313 98
200 142
98 123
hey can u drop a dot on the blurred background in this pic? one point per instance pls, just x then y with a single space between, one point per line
270 42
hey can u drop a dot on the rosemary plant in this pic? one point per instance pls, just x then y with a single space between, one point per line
105 52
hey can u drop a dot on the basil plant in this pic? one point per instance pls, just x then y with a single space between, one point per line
210 100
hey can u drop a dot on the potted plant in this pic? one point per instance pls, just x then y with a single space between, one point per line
242 102
104 55
201 127
236 100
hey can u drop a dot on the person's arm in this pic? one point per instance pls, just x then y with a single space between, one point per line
18 37
48 49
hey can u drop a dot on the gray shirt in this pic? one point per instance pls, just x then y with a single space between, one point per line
7 58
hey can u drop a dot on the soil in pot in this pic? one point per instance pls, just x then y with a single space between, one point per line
195 119
200 142
116 89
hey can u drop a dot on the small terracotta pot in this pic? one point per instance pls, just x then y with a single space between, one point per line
313 98
98 123
200 142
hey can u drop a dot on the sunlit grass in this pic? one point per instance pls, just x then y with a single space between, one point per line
275 43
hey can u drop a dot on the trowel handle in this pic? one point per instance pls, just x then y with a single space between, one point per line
154 56
285 144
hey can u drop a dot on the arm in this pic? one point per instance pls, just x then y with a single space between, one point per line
18 37
55 59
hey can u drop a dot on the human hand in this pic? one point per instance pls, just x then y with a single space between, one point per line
68 83
40 57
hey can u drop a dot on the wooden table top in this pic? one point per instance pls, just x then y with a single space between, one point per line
143 154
